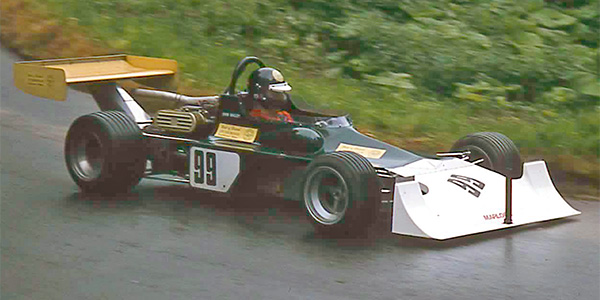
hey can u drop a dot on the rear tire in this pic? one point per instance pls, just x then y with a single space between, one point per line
341 193
499 153
104 152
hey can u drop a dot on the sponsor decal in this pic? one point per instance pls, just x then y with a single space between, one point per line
36 80
367 152
237 133
494 216
277 76
471 185
231 114
50 80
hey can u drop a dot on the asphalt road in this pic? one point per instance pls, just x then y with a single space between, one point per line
165 241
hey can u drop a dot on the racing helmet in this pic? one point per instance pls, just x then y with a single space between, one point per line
268 87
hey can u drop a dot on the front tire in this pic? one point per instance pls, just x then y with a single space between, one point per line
498 152
341 193
104 152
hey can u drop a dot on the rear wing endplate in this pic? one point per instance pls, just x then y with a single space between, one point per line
50 78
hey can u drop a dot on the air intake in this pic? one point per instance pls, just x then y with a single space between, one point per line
179 121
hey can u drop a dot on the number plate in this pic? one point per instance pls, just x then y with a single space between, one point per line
213 169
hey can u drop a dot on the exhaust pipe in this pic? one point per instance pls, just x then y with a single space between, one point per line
181 99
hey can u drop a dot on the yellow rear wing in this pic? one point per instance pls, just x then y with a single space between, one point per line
50 78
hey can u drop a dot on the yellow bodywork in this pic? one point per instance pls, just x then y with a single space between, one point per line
50 78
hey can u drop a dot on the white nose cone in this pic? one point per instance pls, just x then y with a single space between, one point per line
449 210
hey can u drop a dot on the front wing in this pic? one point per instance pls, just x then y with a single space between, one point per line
469 200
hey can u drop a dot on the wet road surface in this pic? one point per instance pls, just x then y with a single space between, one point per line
165 241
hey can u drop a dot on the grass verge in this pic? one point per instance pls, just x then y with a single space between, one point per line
569 141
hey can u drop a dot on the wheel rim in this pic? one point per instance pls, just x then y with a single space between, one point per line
86 156
326 195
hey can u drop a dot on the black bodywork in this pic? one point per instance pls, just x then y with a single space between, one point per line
281 151
312 133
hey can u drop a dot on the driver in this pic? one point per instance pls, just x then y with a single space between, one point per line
268 90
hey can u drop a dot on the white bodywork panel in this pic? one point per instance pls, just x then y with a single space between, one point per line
471 199
213 170
425 166
138 112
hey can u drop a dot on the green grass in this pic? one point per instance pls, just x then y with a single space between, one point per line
417 119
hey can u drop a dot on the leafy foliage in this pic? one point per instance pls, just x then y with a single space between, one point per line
535 44
422 72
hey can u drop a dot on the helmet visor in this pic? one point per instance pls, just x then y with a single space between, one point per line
280 87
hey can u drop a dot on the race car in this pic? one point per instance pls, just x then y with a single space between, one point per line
238 140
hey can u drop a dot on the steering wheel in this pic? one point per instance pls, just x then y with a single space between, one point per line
239 69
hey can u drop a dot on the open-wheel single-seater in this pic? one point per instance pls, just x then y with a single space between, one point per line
238 140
